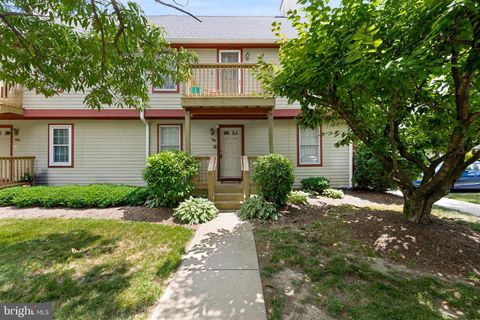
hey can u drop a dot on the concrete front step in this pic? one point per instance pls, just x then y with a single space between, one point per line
228 205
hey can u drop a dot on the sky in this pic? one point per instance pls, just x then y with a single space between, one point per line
218 7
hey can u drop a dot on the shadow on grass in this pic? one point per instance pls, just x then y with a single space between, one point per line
53 268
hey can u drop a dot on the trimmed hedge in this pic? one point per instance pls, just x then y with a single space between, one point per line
317 184
74 196
274 178
169 176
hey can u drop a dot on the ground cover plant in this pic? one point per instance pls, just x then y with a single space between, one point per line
89 269
74 196
195 211
316 184
257 208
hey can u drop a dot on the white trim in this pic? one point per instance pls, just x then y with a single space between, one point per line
220 41
350 165
317 129
51 161
170 126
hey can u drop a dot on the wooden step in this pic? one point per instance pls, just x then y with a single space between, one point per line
228 196
228 205
229 188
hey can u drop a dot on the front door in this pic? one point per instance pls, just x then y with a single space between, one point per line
231 140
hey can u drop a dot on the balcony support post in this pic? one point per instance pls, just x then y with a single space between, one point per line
188 132
270 131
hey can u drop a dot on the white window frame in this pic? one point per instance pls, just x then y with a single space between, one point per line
51 159
163 89
240 76
300 144
169 126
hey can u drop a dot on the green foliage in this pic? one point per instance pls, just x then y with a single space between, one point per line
169 176
73 196
274 178
195 211
317 184
108 49
298 197
370 174
257 208
333 193
403 75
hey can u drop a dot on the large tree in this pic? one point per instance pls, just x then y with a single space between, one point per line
402 74
103 47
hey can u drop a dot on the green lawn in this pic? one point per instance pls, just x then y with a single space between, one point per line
336 274
468 197
89 269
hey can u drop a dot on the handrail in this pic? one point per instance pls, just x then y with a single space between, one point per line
16 170
223 80
212 173
246 177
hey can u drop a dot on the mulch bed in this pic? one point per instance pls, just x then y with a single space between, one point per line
442 246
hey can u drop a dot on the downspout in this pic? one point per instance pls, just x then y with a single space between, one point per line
147 133
350 165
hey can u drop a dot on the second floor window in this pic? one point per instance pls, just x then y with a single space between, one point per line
170 137
169 85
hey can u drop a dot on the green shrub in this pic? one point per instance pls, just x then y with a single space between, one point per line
274 178
169 176
317 184
369 173
257 208
195 211
74 196
333 193
298 197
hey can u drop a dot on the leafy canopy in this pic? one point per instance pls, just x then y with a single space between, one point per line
103 47
402 74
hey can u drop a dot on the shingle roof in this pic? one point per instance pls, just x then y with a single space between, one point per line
220 28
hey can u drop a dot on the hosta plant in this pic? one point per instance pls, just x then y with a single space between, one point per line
195 211
257 208
298 197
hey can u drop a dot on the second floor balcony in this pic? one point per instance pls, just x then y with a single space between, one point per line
11 98
224 84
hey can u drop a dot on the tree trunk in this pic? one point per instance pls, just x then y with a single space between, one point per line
417 207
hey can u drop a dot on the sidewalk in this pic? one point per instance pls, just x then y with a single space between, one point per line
219 276
462 206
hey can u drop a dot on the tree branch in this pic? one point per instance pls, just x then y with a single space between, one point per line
177 8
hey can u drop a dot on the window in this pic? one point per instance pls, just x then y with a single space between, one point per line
309 147
170 137
60 145
169 85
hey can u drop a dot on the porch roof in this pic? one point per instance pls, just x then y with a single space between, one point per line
221 112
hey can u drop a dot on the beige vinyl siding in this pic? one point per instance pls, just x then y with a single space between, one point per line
157 100
335 160
105 151
113 151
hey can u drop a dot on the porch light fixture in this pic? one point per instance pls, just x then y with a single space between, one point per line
247 56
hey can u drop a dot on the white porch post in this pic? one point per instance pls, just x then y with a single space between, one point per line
188 132
270 131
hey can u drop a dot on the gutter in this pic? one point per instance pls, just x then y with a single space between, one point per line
350 165
147 133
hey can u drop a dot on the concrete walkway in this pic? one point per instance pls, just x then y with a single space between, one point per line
218 278
466 207
462 206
